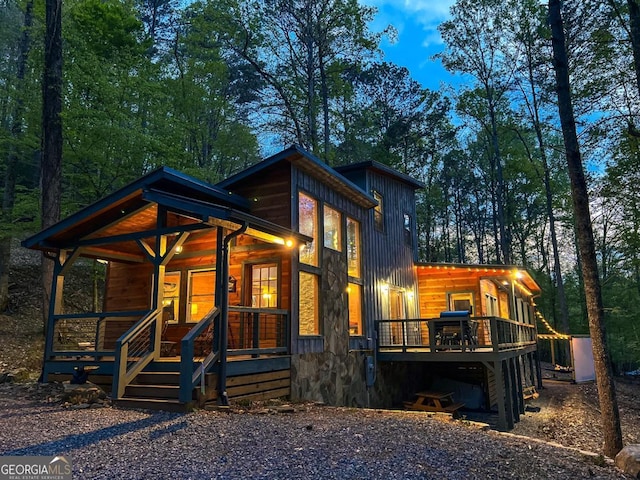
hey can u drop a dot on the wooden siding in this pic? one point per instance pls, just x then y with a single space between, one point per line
388 259
269 194
325 195
434 285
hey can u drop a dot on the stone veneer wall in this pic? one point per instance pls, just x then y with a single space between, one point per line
336 376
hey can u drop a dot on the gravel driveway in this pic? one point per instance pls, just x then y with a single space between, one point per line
312 443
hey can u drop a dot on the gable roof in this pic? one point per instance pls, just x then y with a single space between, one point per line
131 211
310 164
382 169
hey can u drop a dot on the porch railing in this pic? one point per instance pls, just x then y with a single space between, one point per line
256 331
199 351
252 331
477 334
87 335
135 349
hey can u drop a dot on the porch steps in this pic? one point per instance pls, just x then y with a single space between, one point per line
158 390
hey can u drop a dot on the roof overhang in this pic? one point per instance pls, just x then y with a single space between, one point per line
310 164
513 274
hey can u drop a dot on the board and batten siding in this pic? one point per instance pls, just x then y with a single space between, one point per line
325 195
388 259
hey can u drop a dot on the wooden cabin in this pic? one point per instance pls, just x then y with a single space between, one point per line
290 278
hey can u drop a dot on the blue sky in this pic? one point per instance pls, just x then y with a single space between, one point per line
416 22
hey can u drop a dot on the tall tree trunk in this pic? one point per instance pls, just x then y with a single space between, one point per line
505 242
17 130
634 34
50 169
595 312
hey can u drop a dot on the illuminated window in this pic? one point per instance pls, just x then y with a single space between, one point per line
407 231
378 212
171 299
491 305
332 229
353 247
308 306
202 287
264 286
354 293
307 225
461 301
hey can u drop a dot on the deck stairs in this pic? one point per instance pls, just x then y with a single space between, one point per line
154 390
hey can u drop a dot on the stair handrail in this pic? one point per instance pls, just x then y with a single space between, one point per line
190 374
128 364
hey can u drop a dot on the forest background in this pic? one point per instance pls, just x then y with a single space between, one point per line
211 87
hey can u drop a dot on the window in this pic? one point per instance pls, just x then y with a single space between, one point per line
354 292
407 231
491 305
202 287
264 286
378 212
461 301
332 229
171 299
353 247
307 225
308 314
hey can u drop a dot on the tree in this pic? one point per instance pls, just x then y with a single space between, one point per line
474 44
17 131
51 165
584 233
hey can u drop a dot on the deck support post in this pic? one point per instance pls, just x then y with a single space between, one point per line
519 392
500 396
55 307
508 397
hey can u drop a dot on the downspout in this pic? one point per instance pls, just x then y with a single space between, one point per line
223 264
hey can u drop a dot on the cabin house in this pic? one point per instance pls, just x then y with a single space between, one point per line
290 278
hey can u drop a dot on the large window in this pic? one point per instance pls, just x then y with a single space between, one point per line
308 314
354 293
308 225
461 301
332 229
353 247
378 212
202 286
264 286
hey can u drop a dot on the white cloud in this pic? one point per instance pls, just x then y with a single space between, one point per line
427 13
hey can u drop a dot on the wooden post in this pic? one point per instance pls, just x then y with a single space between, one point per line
520 397
55 308
500 395
508 387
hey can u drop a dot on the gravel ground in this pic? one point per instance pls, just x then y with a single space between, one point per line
312 443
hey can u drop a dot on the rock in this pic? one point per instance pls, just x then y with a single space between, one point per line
530 408
212 407
285 409
82 393
80 406
628 460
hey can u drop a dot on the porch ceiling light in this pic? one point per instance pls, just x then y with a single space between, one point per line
178 249
385 287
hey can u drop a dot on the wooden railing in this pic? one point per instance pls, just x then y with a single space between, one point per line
135 349
256 331
87 335
199 351
475 334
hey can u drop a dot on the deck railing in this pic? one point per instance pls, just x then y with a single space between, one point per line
475 334
135 349
256 331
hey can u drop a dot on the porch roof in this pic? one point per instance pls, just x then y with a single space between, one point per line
310 164
494 271
109 227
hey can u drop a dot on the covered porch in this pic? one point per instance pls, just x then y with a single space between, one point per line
175 252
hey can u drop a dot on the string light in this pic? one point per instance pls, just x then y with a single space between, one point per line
562 336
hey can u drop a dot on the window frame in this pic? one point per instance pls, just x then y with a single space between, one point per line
313 245
378 211
315 305
357 271
335 245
